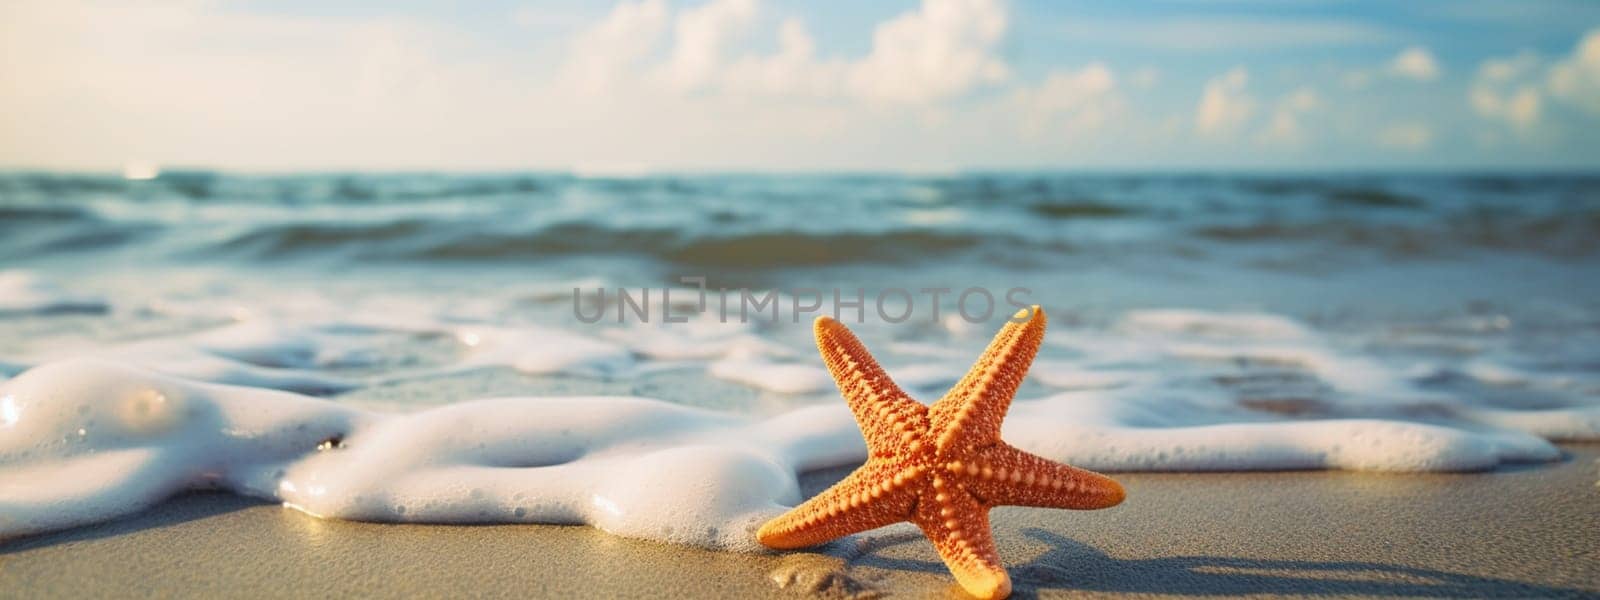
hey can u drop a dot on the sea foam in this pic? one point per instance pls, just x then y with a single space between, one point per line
89 435
89 440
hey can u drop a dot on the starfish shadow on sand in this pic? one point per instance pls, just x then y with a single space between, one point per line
1070 565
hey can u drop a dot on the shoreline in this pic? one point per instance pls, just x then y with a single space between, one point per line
1513 532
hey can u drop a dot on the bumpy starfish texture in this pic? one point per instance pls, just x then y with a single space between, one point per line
941 467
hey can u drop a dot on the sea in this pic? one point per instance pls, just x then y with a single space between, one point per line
636 353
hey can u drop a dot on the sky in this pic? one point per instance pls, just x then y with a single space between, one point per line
786 85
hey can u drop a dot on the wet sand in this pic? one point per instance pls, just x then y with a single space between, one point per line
1522 532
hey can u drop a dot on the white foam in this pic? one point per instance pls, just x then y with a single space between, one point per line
1577 424
1197 342
272 354
1232 326
251 354
1067 375
699 338
541 350
88 440
1097 431
765 373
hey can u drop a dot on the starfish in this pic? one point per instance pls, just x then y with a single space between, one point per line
941 467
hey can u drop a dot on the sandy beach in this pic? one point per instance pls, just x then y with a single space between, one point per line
1514 533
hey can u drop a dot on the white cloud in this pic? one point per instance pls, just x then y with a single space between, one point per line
945 48
793 71
1506 89
98 83
1077 101
1415 63
1145 78
93 83
1520 107
1285 128
1224 105
1576 79
606 52
1225 32
1514 89
1302 100
1503 70
701 39
1357 79
1406 136
545 18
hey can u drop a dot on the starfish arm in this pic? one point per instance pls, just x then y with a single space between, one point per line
1002 475
875 495
970 414
958 525
888 417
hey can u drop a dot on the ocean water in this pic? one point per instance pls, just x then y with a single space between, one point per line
417 347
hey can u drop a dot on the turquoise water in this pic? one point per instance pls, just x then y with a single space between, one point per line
99 260
1334 244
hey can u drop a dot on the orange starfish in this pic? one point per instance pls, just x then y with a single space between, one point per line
941 467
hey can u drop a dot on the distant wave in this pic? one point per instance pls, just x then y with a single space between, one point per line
43 230
422 240
756 222
1080 209
291 238
1570 235
12 217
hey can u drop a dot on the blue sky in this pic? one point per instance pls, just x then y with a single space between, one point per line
779 85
